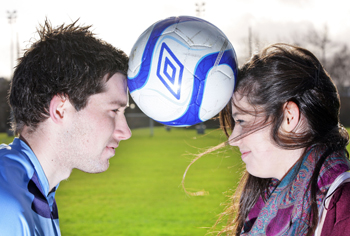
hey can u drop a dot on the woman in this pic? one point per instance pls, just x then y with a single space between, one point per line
284 118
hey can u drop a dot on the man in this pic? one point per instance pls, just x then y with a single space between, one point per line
68 97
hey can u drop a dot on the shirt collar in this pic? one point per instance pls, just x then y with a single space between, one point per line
44 183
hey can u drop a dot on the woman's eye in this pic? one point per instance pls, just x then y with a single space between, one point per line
239 121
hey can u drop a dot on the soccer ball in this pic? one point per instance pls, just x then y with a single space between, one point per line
182 71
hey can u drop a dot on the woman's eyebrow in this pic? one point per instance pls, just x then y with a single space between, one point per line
236 114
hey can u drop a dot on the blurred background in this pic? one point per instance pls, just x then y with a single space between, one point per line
321 26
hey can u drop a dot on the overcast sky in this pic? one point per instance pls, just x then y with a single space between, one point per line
120 22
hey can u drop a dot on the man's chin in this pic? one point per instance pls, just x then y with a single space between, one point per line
97 168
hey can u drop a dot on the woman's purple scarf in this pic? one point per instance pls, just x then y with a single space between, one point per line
287 209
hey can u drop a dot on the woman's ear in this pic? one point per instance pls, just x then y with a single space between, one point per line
57 108
291 116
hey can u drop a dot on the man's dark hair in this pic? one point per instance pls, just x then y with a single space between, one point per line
67 61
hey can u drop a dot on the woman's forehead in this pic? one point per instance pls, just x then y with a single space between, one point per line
242 106
240 101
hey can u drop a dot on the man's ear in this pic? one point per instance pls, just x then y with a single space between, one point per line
57 108
291 116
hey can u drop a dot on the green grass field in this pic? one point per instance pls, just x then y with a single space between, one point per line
141 193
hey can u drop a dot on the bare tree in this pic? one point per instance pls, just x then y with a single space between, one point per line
4 107
339 69
320 41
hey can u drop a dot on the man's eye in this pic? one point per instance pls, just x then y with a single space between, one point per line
115 110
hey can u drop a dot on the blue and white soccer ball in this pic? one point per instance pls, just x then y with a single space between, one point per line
182 71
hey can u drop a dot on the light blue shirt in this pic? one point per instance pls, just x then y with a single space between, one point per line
26 204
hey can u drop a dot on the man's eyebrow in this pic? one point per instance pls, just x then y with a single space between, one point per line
119 103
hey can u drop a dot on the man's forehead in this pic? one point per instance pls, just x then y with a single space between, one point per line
113 94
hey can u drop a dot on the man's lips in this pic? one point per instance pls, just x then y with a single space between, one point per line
114 146
111 149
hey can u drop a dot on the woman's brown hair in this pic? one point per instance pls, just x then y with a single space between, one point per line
278 74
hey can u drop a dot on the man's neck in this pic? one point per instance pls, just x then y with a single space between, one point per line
44 149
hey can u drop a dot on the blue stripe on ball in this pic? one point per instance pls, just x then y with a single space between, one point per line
190 117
